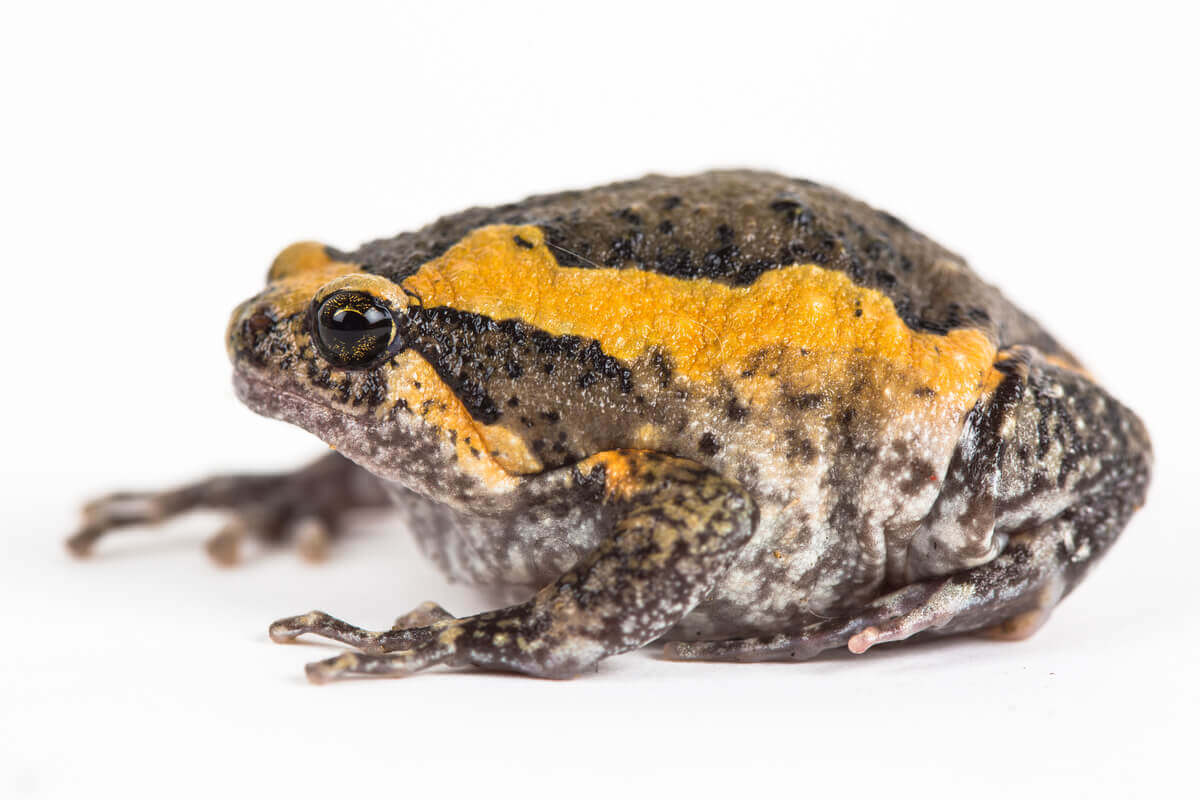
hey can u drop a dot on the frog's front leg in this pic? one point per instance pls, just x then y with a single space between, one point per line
678 528
308 506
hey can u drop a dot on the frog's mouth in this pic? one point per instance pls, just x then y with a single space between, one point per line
278 402
268 399
355 436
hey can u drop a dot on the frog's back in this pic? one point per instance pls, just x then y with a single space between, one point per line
733 227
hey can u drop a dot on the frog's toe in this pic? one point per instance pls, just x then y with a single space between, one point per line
943 605
311 536
320 672
319 623
389 665
314 537
287 629
225 546
322 624
120 510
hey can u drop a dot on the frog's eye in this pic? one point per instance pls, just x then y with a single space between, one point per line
352 329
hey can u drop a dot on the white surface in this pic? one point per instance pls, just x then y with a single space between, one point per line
154 160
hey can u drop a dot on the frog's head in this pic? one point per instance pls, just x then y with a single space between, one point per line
329 347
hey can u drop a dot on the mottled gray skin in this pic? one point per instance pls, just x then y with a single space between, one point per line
812 520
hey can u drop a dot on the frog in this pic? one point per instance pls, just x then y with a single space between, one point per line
743 416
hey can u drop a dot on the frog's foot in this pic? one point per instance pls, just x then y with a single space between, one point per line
421 638
307 507
1008 598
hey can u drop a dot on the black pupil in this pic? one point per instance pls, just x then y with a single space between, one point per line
352 320
352 329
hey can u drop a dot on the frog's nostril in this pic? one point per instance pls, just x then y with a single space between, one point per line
258 322
251 329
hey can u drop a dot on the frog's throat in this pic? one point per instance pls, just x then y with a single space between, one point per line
396 449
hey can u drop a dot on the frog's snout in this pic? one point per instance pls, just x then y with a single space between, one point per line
250 328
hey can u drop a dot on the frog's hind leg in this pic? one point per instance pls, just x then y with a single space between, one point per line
1012 595
1061 438
1007 598
307 507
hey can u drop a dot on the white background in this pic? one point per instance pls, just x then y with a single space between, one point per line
155 159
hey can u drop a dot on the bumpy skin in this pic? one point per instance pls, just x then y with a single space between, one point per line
740 412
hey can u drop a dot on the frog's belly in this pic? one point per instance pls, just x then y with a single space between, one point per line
820 554
521 552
